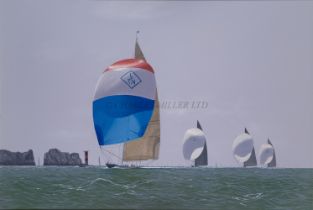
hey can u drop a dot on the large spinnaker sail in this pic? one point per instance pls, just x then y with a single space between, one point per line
243 149
266 154
146 147
273 162
202 160
124 101
193 143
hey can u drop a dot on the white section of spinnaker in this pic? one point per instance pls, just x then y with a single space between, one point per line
193 143
242 147
266 154
114 82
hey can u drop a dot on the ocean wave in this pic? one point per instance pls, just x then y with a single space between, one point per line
245 199
69 187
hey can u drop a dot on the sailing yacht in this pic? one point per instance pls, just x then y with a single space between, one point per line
194 146
126 110
243 149
267 155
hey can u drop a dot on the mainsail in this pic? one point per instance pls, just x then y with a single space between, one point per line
138 51
243 149
125 108
252 160
273 162
202 160
194 146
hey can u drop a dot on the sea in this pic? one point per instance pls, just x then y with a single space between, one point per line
155 188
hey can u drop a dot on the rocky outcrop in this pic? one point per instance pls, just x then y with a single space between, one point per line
55 157
17 158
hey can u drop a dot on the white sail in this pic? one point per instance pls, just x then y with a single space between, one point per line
193 143
266 154
242 147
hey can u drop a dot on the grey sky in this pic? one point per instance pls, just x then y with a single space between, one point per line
251 61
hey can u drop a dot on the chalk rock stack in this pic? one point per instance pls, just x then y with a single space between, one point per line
55 157
17 158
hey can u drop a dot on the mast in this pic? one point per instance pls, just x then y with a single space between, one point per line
202 160
273 162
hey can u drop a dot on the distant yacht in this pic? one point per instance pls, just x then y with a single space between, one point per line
267 155
243 150
194 146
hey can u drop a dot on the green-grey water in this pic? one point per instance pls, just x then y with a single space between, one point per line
191 188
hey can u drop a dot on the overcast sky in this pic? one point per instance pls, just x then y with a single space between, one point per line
251 62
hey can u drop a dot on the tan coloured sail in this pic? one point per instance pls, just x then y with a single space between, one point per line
146 147
138 52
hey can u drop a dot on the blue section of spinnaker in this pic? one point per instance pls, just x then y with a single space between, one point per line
121 118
